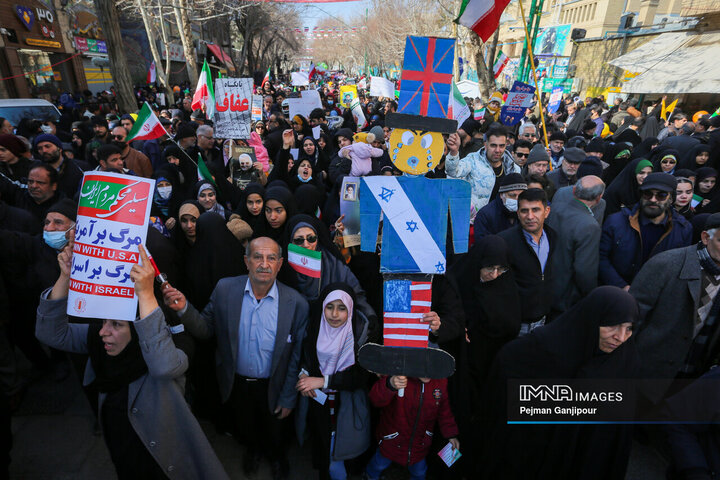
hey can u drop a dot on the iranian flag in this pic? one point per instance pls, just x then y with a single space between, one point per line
204 97
479 113
147 126
152 74
481 16
457 108
500 63
304 261
266 78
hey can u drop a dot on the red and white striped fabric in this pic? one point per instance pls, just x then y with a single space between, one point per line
405 329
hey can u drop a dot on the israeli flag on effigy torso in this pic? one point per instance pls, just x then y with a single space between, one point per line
414 212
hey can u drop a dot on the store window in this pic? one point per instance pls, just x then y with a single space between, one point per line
42 81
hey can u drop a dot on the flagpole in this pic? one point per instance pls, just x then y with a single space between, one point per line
532 66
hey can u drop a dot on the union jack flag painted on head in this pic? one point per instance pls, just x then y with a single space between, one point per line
405 303
426 81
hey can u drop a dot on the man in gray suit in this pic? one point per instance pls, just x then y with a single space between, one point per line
578 250
676 291
259 324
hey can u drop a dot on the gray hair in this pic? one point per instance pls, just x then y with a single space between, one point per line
588 193
525 126
204 130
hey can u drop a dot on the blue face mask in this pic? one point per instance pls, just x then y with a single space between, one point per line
303 180
56 239
330 102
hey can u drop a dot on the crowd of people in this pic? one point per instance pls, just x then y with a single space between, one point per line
595 255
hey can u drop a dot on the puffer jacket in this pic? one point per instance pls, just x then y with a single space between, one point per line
406 424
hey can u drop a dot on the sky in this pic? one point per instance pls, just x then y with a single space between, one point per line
313 13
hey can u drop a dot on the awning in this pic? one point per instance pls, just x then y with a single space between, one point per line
220 55
676 62
468 89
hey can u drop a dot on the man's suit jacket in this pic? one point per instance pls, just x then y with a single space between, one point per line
221 317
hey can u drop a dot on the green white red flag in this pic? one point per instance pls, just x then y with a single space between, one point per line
266 78
500 63
147 126
305 261
481 16
204 97
457 108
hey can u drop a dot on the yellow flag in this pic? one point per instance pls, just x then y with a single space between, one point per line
667 110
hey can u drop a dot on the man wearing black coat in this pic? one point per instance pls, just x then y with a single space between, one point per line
501 213
70 171
41 192
532 245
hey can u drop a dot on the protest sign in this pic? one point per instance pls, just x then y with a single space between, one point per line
518 100
240 165
426 81
257 105
299 79
308 101
232 107
348 93
350 207
358 114
381 87
112 218
555 99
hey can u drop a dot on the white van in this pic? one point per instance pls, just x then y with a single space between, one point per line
15 109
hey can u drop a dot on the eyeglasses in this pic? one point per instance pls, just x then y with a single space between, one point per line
522 155
208 137
118 137
300 240
649 194
529 135
490 270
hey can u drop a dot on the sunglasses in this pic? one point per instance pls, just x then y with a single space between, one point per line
300 240
649 194
668 162
522 155
490 270
118 137
529 135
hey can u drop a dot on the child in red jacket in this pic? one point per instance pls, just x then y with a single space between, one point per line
406 423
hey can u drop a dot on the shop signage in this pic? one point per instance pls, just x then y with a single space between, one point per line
90 45
43 14
26 16
39 42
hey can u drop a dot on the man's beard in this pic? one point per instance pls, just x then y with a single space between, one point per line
50 157
651 210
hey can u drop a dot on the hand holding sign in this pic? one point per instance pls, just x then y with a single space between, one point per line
174 298
143 275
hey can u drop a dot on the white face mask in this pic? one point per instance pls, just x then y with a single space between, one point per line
46 128
164 192
511 204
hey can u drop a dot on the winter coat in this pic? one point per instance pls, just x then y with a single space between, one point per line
621 245
535 285
476 169
406 425
558 178
492 219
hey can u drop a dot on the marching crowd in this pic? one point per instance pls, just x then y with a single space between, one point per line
596 256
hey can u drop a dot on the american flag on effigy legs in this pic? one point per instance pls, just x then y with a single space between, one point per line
405 303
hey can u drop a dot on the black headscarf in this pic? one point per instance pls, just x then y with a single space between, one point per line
114 372
651 128
617 156
624 189
167 208
308 199
255 221
283 196
177 234
688 160
663 151
216 254
644 149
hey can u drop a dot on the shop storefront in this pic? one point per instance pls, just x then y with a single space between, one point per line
88 40
35 61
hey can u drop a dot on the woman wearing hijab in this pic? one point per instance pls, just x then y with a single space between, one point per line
309 199
617 156
308 232
251 208
683 198
624 191
665 160
279 205
589 341
645 149
166 199
301 126
187 171
139 371
697 157
185 233
335 333
302 171
491 302
206 194
706 189
310 150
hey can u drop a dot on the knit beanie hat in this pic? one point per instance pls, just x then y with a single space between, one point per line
538 154
512 181
47 137
65 207
13 143
239 228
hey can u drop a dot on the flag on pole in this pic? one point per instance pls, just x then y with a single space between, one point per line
667 111
500 63
204 171
147 126
312 71
481 16
266 78
458 109
152 74
304 261
204 97
479 113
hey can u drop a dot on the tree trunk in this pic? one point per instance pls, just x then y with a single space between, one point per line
163 30
493 53
110 23
486 88
150 31
183 23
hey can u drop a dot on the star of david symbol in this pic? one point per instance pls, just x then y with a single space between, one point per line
386 194
412 226
440 267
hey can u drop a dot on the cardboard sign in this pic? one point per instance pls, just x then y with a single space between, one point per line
257 106
233 97
381 87
299 79
555 99
112 219
308 101
348 94
518 100
425 85
350 207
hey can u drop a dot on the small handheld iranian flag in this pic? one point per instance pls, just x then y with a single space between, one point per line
500 63
479 113
458 109
304 261
204 97
147 126
152 74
